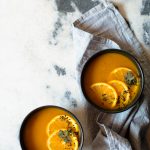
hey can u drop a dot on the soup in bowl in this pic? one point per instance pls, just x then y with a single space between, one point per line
112 80
51 128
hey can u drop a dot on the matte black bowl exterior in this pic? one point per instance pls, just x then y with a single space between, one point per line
43 107
133 59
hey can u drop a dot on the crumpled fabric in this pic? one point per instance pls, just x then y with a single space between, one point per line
100 28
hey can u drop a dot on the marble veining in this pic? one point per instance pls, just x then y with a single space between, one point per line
56 31
67 5
146 34
59 70
145 7
69 97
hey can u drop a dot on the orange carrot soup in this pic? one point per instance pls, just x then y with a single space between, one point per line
111 81
51 128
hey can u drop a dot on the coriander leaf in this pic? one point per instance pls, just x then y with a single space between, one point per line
130 79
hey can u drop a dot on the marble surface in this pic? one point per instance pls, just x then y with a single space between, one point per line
38 61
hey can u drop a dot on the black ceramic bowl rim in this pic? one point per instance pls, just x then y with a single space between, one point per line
43 107
133 59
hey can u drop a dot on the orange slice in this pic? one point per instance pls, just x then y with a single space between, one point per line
62 122
120 74
122 91
106 94
59 141
127 76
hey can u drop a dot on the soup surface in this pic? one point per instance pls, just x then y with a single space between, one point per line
111 81
51 129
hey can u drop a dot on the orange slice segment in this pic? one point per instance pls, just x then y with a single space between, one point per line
106 94
62 122
60 140
121 74
122 91
127 76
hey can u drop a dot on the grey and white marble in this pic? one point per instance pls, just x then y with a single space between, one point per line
38 61
146 35
145 7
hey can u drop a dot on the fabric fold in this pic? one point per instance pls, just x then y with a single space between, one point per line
100 28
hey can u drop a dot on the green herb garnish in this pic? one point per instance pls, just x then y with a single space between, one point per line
65 136
130 79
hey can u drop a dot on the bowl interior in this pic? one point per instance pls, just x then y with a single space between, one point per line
136 63
21 136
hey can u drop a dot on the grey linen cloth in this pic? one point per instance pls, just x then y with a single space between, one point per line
100 28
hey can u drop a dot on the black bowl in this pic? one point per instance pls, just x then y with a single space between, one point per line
43 107
133 59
